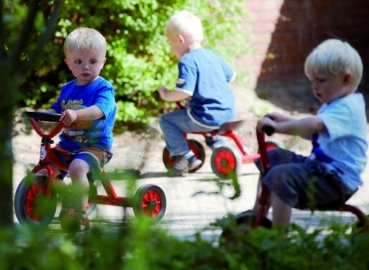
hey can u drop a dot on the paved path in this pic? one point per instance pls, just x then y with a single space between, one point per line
185 212
188 213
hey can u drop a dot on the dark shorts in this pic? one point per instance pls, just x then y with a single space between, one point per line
304 183
94 157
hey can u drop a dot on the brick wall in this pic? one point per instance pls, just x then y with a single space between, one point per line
282 35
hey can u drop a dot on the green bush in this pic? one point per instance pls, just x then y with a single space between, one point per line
139 59
141 246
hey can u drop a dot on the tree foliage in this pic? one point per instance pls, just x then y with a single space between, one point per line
139 59
19 50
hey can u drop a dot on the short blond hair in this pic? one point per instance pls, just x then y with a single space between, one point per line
84 38
187 24
336 57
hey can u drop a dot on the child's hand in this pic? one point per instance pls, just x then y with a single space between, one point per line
68 117
265 121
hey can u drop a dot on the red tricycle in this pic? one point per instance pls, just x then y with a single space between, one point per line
250 219
224 159
36 199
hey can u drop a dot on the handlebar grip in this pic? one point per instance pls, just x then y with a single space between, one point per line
268 130
42 116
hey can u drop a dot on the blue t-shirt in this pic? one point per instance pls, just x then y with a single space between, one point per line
94 133
345 141
204 75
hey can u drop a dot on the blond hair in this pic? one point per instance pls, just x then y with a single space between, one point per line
187 24
335 57
84 38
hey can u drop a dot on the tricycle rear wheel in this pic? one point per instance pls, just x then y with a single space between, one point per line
243 224
149 203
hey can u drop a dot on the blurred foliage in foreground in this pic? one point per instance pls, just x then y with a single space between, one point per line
141 246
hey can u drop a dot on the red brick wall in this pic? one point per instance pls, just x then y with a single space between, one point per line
283 32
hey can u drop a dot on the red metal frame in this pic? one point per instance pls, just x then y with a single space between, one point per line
46 155
247 157
264 195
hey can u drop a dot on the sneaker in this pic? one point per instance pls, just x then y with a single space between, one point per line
213 143
183 164
217 145
193 162
73 221
65 212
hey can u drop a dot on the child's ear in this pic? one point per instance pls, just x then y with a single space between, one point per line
181 39
347 79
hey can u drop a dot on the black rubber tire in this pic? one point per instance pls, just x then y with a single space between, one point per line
195 146
244 222
30 204
149 203
225 160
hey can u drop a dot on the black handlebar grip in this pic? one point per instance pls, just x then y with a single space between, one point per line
269 130
42 116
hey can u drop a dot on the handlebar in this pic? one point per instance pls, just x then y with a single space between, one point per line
42 116
268 130
34 117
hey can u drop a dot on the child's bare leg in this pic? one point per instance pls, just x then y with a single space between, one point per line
281 211
78 170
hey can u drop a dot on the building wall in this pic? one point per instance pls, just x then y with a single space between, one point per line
282 35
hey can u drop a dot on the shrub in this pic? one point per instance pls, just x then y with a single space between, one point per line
139 59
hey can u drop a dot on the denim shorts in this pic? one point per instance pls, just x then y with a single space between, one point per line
304 183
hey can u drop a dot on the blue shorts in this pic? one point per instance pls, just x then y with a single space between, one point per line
304 183
95 158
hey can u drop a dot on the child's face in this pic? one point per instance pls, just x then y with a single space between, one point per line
177 44
85 64
328 87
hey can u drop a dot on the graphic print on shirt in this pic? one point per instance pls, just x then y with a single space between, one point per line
76 130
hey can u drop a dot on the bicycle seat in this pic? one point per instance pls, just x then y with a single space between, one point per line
229 126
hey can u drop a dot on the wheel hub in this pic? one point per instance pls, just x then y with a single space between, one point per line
224 162
152 204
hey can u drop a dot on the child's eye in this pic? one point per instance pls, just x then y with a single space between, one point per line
78 62
93 61
318 80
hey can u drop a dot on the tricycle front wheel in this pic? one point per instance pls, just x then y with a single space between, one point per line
31 204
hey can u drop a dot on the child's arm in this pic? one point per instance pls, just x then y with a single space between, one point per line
279 117
175 95
304 127
90 113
